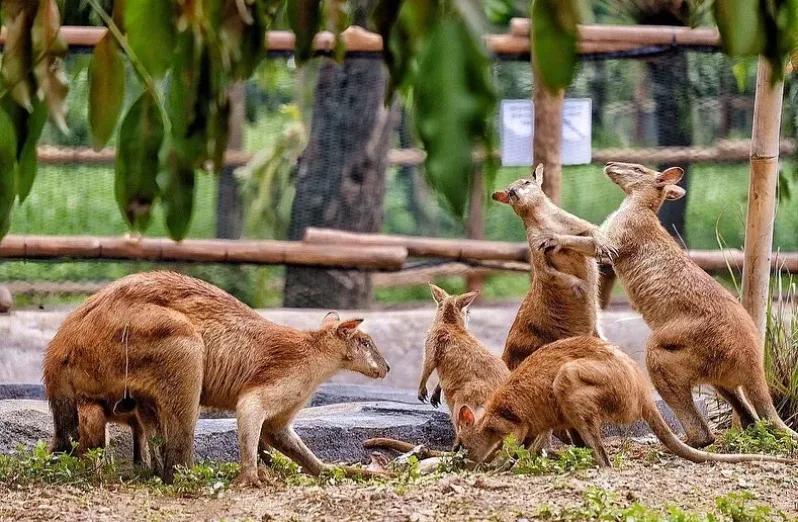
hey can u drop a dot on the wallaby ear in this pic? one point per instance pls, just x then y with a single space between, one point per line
465 300
537 176
465 417
674 192
330 318
670 176
438 293
501 196
347 328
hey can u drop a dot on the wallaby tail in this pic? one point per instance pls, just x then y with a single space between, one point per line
663 432
64 407
758 395
400 446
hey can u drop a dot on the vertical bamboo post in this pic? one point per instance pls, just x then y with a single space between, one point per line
476 223
762 196
547 136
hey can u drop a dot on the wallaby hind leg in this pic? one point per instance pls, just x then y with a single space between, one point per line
758 394
91 420
670 371
66 424
740 405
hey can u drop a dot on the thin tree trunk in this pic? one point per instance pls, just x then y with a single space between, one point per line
547 138
669 75
229 205
341 177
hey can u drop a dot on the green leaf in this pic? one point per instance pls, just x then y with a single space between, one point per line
27 161
242 36
554 47
178 195
219 132
106 90
17 59
150 33
453 99
187 97
8 160
741 26
140 139
304 19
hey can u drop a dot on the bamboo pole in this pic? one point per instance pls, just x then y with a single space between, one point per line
547 136
593 39
762 196
203 250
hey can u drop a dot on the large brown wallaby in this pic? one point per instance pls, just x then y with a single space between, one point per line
575 383
700 334
467 370
188 343
562 300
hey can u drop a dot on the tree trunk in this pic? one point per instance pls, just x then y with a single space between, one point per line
669 75
547 137
229 205
341 177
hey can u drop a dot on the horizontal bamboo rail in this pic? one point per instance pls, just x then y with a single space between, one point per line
722 151
592 38
713 261
204 251
455 249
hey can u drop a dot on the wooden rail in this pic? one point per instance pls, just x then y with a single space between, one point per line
728 151
593 39
713 261
203 250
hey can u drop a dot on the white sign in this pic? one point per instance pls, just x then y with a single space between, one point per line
517 131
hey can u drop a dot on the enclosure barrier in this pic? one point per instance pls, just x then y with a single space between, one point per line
712 261
203 251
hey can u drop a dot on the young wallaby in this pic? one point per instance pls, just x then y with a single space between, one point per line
189 344
562 300
700 334
467 370
576 383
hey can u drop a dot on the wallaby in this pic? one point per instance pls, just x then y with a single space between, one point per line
188 344
562 300
575 383
468 372
700 334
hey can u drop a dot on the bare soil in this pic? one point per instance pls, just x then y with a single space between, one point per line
646 476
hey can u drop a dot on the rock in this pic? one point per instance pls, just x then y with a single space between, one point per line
335 433
5 300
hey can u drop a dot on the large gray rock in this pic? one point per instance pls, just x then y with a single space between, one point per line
334 432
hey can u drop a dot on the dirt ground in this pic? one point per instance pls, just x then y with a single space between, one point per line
654 482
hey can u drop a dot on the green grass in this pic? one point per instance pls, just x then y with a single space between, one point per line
760 437
524 462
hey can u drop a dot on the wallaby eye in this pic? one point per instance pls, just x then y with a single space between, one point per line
527 182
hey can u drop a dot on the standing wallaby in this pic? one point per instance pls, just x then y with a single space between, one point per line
700 334
575 383
467 370
562 300
188 344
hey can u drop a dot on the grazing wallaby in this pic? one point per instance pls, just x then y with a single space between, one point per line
562 300
188 343
575 383
467 370
700 334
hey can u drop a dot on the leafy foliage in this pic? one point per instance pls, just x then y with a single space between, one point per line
757 438
554 39
524 462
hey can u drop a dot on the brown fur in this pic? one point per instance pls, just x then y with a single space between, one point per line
192 344
700 334
6 301
577 383
562 300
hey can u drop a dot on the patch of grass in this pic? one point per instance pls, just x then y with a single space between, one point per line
602 505
39 466
524 462
204 479
760 437
781 347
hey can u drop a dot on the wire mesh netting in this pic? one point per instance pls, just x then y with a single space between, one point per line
679 98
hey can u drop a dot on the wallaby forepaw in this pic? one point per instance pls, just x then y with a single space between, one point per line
435 400
248 479
579 289
606 253
548 244
422 394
